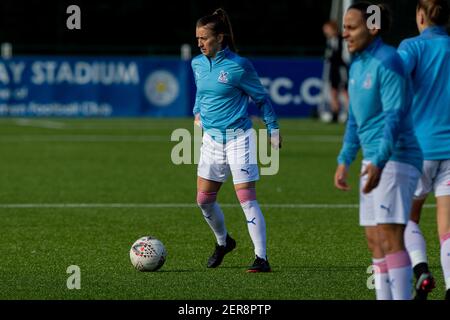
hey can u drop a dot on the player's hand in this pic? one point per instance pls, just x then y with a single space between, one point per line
340 178
197 120
276 139
373 177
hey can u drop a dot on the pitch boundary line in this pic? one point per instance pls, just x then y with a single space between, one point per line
172 205
140 138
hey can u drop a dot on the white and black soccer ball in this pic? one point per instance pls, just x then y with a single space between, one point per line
148 254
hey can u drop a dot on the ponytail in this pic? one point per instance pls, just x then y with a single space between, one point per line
436 11
219 23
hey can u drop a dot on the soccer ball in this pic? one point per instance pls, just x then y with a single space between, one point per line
148 254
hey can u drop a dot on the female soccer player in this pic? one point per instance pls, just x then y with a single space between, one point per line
225 82
427 59
380 123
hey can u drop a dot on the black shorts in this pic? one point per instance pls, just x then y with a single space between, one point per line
336 78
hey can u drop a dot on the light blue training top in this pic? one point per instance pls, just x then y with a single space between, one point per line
427 60
224 85
379 113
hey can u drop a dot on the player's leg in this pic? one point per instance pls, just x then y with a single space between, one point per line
206 199
442 192
207 191
246 194
443 218
382 287
416 247
241 155
393 199
334 103
335 80
367 220
397 260
256 225
212 172
343 93
414 239
346 97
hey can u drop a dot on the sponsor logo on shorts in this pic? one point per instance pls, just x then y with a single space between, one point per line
252 221
386 208
247 171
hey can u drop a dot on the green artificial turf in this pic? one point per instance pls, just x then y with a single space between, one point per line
81 191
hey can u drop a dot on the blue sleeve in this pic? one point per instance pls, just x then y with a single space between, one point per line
394 99
351 143
251 84
408 56
196 109
196 105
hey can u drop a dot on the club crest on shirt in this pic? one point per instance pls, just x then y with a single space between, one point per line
368 82
223 77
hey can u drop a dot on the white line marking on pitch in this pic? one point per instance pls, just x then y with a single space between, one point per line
132 138
174 205
40 124
84 138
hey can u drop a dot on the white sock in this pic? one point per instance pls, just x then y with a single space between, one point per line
256 227
415 244
216 220
382 286
400 275
445 259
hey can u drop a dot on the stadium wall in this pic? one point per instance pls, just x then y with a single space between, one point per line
61 86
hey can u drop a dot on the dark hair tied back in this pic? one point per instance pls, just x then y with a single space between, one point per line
437 11
386 18
219 23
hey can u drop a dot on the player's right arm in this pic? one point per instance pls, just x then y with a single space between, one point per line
348 153
196 110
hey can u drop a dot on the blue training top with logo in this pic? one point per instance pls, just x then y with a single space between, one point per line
224 85
379 113
427 60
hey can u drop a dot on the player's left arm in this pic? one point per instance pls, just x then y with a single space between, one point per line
408 53
251 85
395 97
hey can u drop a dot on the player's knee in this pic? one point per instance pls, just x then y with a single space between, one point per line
205 199
246 195
444 237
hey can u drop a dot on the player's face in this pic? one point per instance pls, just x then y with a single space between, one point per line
356 33
328 31
208 43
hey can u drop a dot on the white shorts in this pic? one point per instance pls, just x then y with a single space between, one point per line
390 202
435 178
237 156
